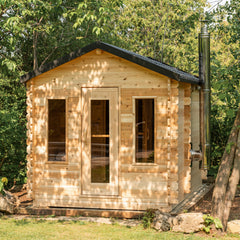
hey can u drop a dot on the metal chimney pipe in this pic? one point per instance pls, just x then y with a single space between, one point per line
204 75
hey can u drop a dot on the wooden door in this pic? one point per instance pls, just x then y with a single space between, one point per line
100 141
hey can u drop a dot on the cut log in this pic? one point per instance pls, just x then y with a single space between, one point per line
8 203
5 205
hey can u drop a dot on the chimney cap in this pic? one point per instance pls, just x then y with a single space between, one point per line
204 27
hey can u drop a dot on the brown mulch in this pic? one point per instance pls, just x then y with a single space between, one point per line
204 205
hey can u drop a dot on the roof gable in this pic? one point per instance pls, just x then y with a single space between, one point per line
151 64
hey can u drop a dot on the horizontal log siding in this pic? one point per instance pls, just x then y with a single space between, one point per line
140 186
30 162
187 138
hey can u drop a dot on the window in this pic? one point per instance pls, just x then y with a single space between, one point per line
100 141
56 130
144 130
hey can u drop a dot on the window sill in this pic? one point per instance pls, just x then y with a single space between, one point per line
57 162
144 164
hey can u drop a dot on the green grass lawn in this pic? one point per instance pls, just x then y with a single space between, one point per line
42 229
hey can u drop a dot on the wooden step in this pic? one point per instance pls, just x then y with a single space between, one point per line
191 199
86 212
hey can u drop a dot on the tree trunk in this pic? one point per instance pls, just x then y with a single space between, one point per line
35 60
219 192
232 185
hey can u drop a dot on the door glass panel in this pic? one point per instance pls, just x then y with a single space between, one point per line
144 130
56 130
100 141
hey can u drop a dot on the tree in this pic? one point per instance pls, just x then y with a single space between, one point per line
12 102
224 28
41 31
226 98
164 30
12 131
30 24
227 178
33 32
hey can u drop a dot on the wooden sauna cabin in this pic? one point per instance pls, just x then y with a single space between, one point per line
110 129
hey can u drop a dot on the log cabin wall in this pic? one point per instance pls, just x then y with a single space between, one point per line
197 164
161 184
187 138
30 137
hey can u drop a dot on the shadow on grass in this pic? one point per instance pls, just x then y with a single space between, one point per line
29 221
21 222
79 222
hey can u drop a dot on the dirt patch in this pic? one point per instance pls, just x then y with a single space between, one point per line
204 205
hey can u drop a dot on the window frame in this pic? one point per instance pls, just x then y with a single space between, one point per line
134 129
66 130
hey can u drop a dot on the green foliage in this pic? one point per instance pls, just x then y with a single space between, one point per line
207 229
34 32
213 170
163 30
209 221
148 217
218 224
225 97
12 131
93 17
3 182
1 187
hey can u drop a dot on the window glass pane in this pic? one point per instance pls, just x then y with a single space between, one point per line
56 130
144 130
100 141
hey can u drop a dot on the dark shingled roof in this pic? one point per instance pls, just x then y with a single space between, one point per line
146 62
